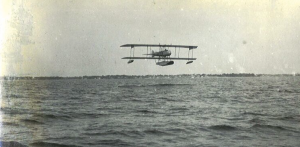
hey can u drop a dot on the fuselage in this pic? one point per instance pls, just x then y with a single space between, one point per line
163 53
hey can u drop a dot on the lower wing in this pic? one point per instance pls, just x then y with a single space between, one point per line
159 58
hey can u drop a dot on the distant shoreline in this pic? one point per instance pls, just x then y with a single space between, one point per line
142 76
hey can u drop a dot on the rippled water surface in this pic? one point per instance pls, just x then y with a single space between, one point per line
257 111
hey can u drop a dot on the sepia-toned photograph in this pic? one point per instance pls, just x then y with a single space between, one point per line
149 73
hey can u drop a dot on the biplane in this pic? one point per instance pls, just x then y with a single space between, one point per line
162 57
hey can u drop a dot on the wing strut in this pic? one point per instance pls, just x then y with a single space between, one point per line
189 59
192 53
175 52
133 51
131 55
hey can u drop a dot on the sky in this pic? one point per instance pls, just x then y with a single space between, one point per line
83 38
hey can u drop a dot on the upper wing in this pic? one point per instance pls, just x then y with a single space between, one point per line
159 58
158 45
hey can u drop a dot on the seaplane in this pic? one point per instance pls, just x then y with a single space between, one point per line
161 57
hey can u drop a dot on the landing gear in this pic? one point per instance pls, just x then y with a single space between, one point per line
166 61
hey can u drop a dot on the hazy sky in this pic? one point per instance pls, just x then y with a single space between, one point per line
83 37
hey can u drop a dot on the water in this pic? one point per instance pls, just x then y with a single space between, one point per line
256 111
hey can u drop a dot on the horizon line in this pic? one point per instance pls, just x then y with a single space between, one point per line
152 75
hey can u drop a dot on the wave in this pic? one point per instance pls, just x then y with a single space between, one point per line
146 111
260 126
110 142
285 91
10 124
178 130
13 96
179 109
31 121
48 144
222 128
58 138
13 111
130 86
52 116
289 118
136 99
115 133
155 132
281 90
255 120
88 115
153 85
11 144
254 113
170 84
